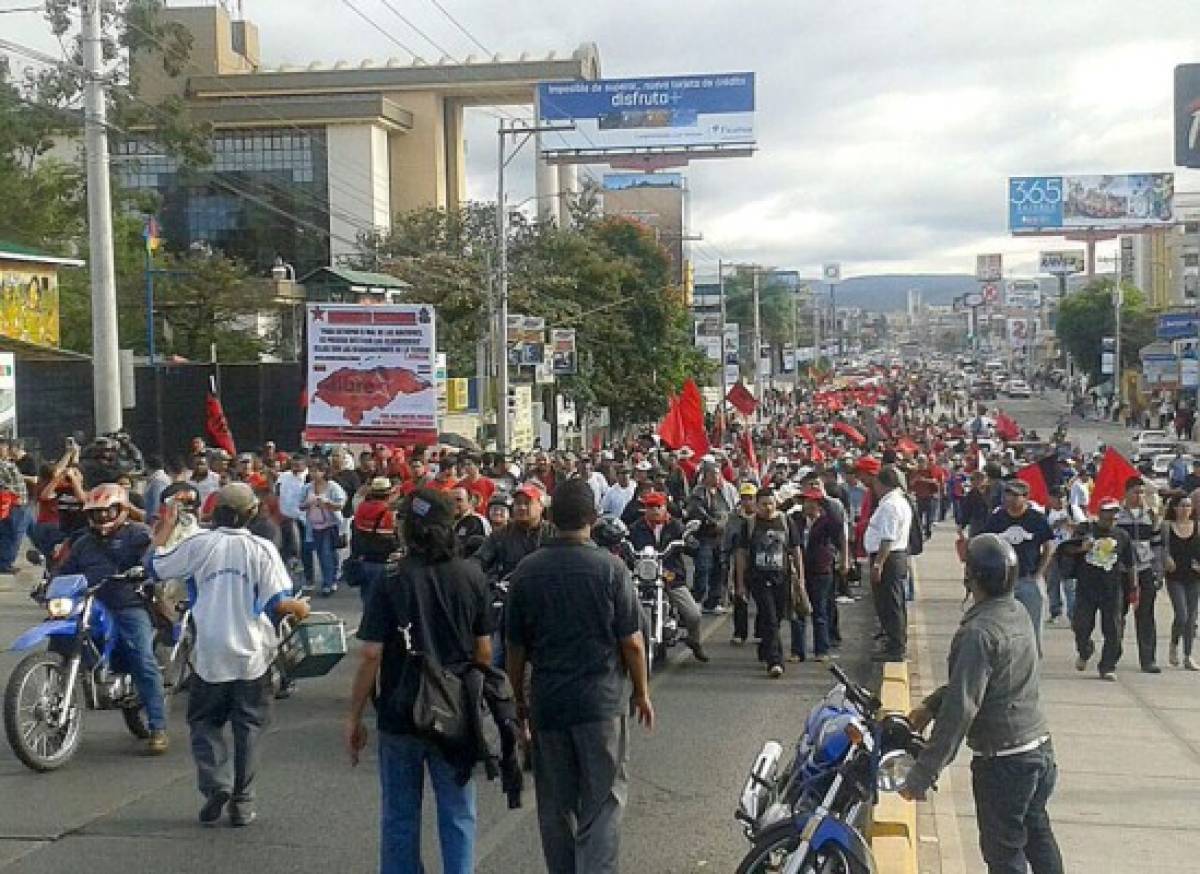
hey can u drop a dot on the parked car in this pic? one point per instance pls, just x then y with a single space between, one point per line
1160 469
1147 444
1017 388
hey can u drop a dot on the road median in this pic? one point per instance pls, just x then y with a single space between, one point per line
894 821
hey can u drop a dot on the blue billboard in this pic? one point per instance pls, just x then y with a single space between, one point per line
1113 202
1178 326
626 181
668 113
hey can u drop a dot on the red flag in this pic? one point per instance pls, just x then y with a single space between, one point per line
1006 428
1114 472
907 446
748 448
216 426
1039 491
805 433
851 433
816 455
684 422
741 399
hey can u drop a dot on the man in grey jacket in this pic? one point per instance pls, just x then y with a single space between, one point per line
991 699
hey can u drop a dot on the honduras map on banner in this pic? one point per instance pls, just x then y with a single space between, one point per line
671 112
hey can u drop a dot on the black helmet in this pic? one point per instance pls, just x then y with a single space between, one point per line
991 564
609 531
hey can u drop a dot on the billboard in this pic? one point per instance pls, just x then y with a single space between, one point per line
1187 115
1178 326
677 114
657 201
989 268
1023 293
29 304
562 351
371 374
1116 202
1160 369
526 340
1021 332
1060 263
626 181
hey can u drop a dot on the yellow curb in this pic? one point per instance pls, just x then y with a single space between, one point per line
894 821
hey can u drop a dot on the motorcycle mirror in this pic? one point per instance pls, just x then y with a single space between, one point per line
35 558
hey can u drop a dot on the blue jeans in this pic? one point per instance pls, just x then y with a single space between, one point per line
135 654
1029 592
1060 590
820 593
322 542
12 534
46 538
706 587
403 760
1011 793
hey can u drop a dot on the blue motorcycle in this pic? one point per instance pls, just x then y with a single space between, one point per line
48 691
807 816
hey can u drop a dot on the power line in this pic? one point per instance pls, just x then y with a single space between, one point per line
373 24
461 28
445 51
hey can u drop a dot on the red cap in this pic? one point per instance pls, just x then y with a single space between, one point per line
813 495
868 464
654 499
530 491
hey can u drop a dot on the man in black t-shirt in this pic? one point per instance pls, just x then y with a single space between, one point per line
1105 570
573 614
768 561
1031 537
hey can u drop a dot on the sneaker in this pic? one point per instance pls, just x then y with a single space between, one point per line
775 672
1108 675
737 641
1173 655
1151 669
824 658
1189 663
795 659
156 744
697 651
210 813
844 599
1080 663
241 816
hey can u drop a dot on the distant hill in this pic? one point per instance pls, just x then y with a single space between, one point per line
890 292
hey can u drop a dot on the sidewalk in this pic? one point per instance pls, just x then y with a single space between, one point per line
1128 752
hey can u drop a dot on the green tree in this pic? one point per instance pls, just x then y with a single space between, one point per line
1088 316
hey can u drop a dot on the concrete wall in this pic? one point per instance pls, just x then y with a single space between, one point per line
212 52
359 183
418 157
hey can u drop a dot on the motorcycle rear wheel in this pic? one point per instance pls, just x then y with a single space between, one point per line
34 691
778 842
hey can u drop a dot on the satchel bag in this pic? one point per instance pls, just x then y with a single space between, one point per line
439 712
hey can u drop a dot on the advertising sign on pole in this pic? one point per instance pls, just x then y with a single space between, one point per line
1161 369
789 360
371 374
832 272
990 292
710 346
562 350
1020 333
1118 202
1187 115
731 374
1189 373
989 268
732 333
8 395
1178 326
1062 263
1108 355
526 340
1024 293
703 114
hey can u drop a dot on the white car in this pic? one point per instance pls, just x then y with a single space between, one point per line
1149 444
1017 388
1160 474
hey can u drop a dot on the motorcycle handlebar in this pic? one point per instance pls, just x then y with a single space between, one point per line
864 698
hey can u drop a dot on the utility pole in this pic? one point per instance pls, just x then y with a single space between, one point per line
500 343
816 310
724 379
758 375
795 344
1118 299
106 368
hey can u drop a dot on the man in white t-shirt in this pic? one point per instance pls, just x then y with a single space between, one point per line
289 486
886 543
237 584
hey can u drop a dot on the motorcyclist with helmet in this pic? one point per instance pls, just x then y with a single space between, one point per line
113 545
992 699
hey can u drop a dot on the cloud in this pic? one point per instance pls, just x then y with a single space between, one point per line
887 130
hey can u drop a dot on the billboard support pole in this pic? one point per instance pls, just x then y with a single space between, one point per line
758 374
1117 299
1091 257
724 379
501 345
795 346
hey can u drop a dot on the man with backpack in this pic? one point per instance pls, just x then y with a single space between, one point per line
887 543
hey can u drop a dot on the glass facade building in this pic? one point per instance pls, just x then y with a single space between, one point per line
264 195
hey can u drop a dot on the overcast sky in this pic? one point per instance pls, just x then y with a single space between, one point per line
886 129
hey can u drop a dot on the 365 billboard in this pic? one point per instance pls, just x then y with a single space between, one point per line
1187 115
1116 202
713 112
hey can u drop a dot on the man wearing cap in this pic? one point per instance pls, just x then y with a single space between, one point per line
373 538
238 586
886 543
822 539
1030 535
711 502
769 566
1145 530
1105 573
656 529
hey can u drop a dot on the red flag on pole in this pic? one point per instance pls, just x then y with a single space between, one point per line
805 433
741 399
1114 472
747 442
1007 429
684 423
216 426
1033 476
851 433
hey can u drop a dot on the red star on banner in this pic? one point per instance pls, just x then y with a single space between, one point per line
318 314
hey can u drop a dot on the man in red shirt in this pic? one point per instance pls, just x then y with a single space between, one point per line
926 485
473 481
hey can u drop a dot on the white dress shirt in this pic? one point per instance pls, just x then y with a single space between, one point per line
891 520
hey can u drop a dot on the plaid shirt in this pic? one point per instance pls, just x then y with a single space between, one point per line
12 481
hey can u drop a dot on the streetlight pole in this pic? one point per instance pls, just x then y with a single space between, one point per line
724 377
758 381
106 368
500 342
1118 299
795 345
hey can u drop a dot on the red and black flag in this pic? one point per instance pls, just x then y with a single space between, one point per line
1042 476
215 423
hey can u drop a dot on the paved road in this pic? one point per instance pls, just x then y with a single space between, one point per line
114 811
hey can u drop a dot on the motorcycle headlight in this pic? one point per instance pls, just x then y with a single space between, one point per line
893 770
646 569
60 608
